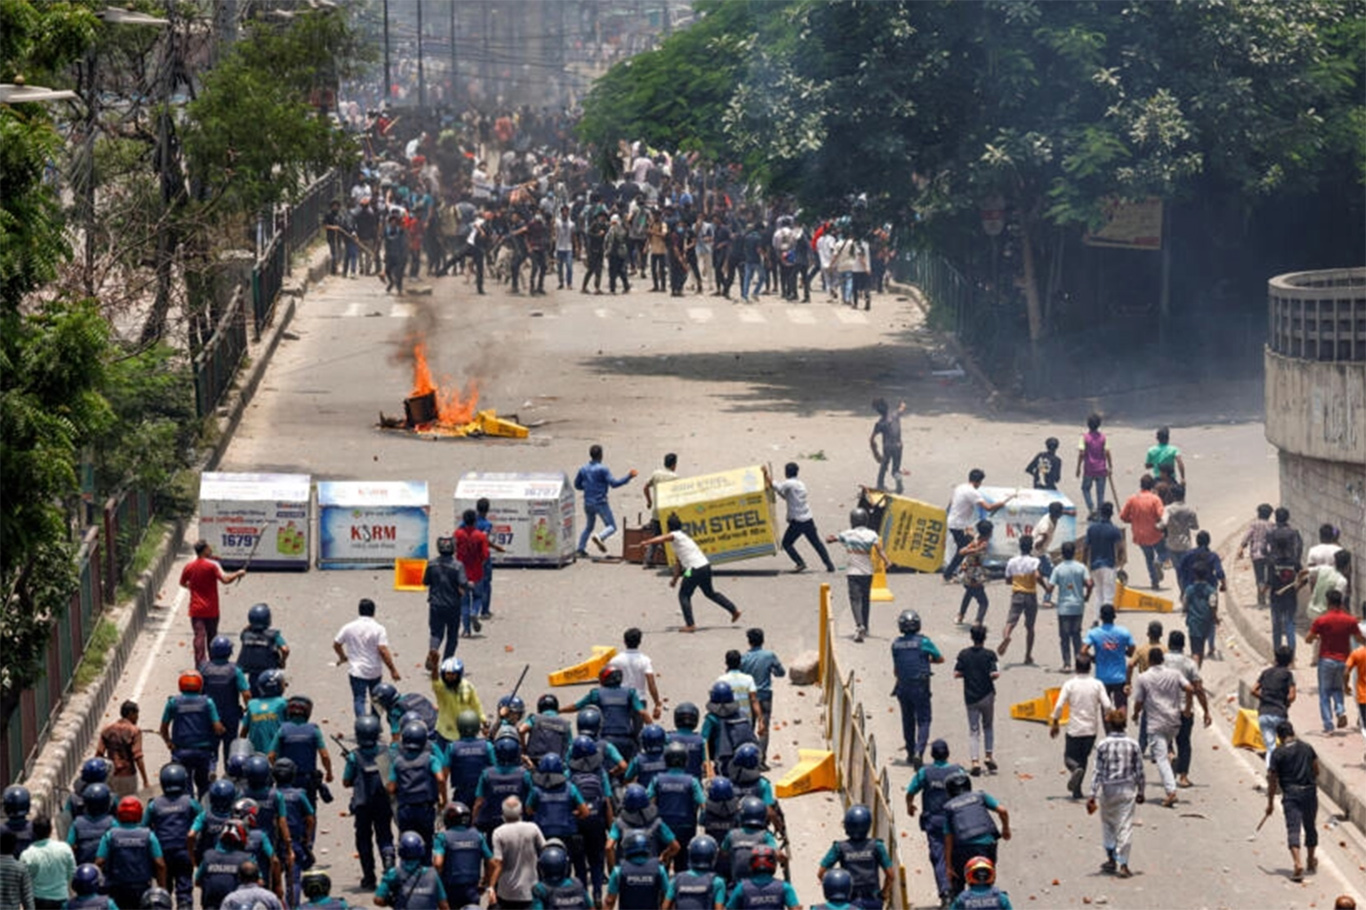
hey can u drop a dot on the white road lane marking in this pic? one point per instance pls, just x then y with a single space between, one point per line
181 599
700 313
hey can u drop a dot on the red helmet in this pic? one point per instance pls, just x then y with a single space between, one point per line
609 676
234 834
980 871
129 810
191 681
763 860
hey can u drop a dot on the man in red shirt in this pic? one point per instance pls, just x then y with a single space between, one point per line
472 549
201 577
1142 512
1334 631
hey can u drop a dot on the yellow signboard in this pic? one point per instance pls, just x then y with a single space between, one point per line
728 514
913 533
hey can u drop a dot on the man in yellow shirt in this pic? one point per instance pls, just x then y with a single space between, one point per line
453 694
1023 574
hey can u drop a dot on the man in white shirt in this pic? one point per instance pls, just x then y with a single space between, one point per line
1085 700
743 685
364 644
661 475
517 845
800 522
691 564
967 498
1164 694
862 543
637 670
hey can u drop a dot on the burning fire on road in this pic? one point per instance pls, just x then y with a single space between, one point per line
443 411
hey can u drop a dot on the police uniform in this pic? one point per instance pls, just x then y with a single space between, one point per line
929 782
982 897
129 854
550 732
259 652
370 809
224 684
639 884
85 835
495 785
739 845
865 860
691 890
589 852
170 819
645 767
463 852
697 750
411 886
553 801
762 891
466 761
968 819
569 894
299 741
194 743
678 796
620 707
414 776
911 655
217 875
298 808
726 728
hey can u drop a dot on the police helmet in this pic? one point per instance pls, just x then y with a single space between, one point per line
236 767
452 672
258 617
686 716
220 648
130 810
367 730
411 846
957 784
753 812
174 779
747 757
409 717
583 747
507 751
675 755
221 794
234 834
467 723
763 860
721 693
908 622
858 821
284 771
98 799
316 883
859 518
456 815
257 772
553 864
191 681
385 694
414 735
550 763
95 771
245 810
980 870
653 738
546 703
157 898
610 676
635 799
86 880
511 706
636 844
721 790
271 683
702 851
299 706
838 886
590 722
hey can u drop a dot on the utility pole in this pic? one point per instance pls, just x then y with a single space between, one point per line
421 76
454 73
388 80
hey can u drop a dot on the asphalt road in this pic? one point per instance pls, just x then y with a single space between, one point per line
726 385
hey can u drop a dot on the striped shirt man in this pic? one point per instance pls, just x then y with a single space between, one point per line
1119 763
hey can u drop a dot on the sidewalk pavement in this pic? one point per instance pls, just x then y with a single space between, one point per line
1342 753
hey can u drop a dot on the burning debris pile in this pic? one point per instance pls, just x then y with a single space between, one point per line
433 410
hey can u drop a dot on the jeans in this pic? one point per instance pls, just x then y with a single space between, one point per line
444 623
860 590
352 257
1076 751
1069 634
981 725
807 529
700 579
752 271
609 524
1087 482
200 764
1154 554
470 607
564 267
916 714
891 458
374 828
1267 723
847 287
971 593
1283 626
486 590
360 694
961 538
1301 807
1182 763
1160 743
205 629
934 840
1330 691
766 704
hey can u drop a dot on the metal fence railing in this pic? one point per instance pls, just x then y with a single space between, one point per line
301 223
304 219
861 779
267 278
126 516
216 365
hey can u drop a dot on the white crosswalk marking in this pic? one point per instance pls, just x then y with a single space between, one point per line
801 317
753 316
603 313
354 309
401 311
700 313
851 317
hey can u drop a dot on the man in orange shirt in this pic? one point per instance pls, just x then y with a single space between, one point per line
1142 512
1357 660
201 576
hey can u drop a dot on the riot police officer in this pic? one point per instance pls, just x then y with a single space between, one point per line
17 805
269 813
226 686
302 742
753 832
640 882
93 771
87 829
838 888
85 886
459 855
679 797
467 758
699 886
170 817
639 814
317 887
301 820
982 893
547 730
686 719
506 778
192 730
912 654
623 710
589 724
212 818
412 884
727 727
417 782
760 888
865 858
588 774
217 872
968 829
555 804
720 815
130 856
263 647
931 781
266 711
370 808
649 761
556 888
750 781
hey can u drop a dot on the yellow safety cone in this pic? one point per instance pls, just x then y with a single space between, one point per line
815 771
880 593
584 671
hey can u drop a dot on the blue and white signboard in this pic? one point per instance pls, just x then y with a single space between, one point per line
369 524
261 518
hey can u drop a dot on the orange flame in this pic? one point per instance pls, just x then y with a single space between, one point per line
454 409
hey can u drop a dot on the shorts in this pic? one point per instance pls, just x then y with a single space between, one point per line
1026 604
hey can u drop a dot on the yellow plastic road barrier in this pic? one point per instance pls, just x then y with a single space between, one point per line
880 593
584 671
1247 733
408 574
488 423
1129 599
1040 709
815 771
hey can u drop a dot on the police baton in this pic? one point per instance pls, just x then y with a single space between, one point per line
341 744
520 679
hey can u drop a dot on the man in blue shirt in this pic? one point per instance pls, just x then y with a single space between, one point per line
763 665
1110 646
1105 548
594 480
1072 586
